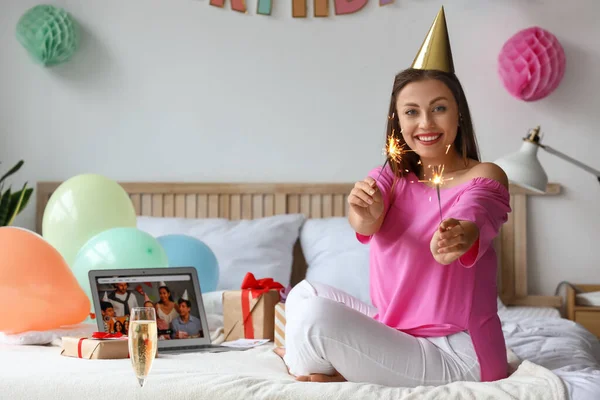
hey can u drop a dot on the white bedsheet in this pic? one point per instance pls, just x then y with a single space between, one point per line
519 313
41 373
561 362
562 346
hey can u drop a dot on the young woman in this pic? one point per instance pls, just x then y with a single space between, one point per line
433 282
167 308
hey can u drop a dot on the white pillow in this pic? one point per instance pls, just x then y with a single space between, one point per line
213 302
335 257
262 246
52 336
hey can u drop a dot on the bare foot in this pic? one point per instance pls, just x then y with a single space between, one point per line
336 377
280 351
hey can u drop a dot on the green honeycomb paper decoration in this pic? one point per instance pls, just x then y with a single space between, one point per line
49 34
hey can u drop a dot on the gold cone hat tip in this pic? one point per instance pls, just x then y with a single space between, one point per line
435 52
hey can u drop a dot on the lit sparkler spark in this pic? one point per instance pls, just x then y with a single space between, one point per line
438 180
393 150
448 148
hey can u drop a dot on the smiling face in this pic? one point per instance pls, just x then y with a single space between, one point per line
184 309
122 288
425 110
428 116
163 294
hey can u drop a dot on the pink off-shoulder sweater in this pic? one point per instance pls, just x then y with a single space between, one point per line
417 295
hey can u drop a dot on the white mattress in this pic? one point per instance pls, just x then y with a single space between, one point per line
519 313
561 363
564 347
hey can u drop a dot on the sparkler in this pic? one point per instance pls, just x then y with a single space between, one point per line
438 180
393 150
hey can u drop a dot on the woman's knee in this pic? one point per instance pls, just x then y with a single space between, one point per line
312 314
299 292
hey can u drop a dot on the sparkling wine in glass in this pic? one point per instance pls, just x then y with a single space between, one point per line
143 340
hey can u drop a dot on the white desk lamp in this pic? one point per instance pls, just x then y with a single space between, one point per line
524 169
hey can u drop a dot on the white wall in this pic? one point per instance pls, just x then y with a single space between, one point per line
178 90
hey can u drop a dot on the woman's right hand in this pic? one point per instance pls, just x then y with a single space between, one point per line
365 200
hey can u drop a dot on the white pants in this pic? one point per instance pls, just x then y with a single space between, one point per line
328 329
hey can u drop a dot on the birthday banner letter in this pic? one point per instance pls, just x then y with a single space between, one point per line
299 7
348 6
237 5
321 8
264 7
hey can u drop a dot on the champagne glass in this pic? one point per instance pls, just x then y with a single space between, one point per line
143 341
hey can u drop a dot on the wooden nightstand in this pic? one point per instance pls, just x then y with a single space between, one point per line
587 316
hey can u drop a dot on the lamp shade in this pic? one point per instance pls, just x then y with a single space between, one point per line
524 169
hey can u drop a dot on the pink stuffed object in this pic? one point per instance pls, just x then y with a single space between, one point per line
531 64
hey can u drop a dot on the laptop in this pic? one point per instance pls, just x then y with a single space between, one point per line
174 293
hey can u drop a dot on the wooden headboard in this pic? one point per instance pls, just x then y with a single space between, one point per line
249 201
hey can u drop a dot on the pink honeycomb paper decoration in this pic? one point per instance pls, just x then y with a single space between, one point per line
531 64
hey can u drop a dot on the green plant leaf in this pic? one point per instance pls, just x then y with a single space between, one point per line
26 198
16 204
12 170
4 203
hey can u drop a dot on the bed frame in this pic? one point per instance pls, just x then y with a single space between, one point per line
249 201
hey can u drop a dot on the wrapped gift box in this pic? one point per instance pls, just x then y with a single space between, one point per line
280 325
250 313
93 349
254 321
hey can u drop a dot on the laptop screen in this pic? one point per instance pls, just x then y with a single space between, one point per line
171 295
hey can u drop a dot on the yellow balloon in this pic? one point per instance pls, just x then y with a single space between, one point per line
82 207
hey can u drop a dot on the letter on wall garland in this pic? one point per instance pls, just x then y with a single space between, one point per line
299 8
264 7
348 6
237 5
321 8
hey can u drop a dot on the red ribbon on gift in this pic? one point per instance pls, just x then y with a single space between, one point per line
254 287
79 347
105 335
98 335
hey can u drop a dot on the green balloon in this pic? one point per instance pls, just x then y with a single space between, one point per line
117 248
82 207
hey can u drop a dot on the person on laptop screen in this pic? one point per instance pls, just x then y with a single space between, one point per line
186 325
122 300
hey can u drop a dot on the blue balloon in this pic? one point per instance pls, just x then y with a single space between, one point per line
187 251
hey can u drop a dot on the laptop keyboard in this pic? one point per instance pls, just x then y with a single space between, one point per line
196 347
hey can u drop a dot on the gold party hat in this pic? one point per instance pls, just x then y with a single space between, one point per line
435 52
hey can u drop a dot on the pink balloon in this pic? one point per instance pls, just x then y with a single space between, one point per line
531 64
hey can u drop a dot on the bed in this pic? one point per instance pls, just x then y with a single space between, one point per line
302 225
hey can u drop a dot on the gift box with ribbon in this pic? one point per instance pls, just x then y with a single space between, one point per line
249 313
100 346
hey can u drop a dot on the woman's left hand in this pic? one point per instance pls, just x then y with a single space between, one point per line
452 240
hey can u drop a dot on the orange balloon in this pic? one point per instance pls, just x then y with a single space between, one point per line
38 291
